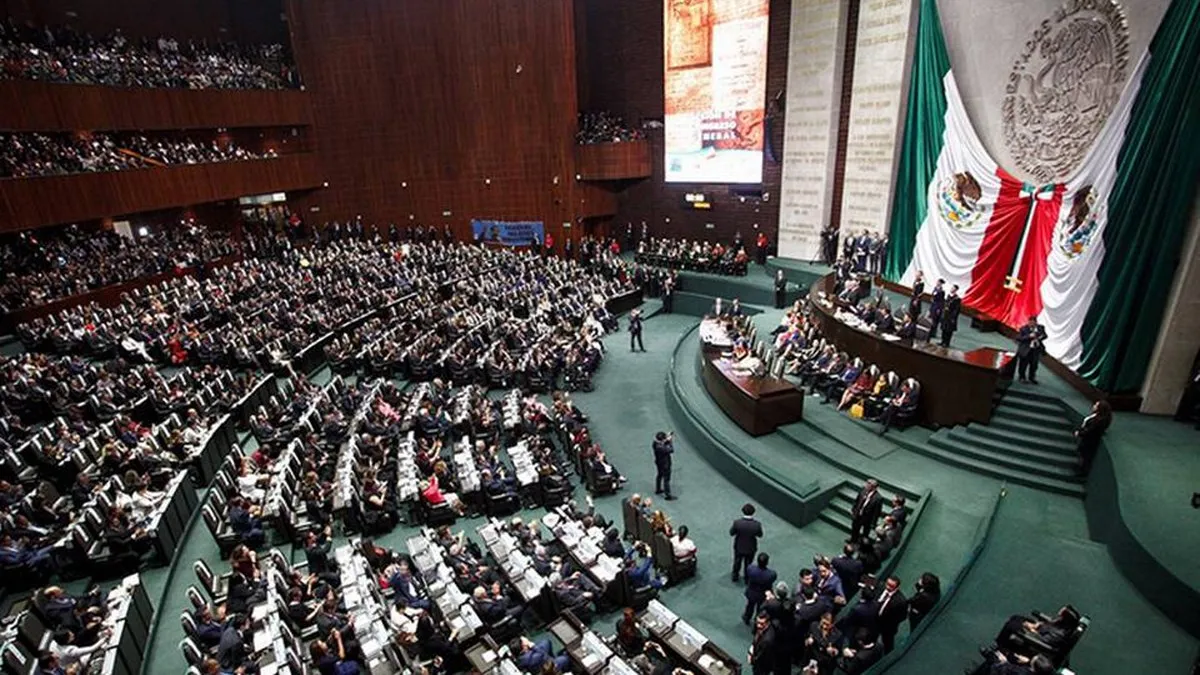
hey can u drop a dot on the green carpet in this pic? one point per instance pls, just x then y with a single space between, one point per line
1040 556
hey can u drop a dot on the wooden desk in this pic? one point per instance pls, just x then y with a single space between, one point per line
957 387
757 404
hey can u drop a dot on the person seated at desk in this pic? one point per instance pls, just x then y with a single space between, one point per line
532 656
244 521
905 401
858 389
432 495
884 321
639 566
123 539
208 630
908 328
493 607
406 588
601 468
851 293
572 595
612 544
72 656
332 662
232 653
630 636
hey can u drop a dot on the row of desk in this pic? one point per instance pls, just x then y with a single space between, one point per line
130 614
957 386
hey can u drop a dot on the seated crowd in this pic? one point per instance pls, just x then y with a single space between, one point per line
714 257
31 154
605 127
62 54
58 263
862 389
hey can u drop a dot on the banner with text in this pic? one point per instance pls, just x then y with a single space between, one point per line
508 234
815 53
876 114
715 89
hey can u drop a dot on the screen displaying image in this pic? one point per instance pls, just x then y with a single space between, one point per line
714 89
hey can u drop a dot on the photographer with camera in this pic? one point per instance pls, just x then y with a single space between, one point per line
664 447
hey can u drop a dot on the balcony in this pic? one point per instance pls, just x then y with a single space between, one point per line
613 161
49 106
48 200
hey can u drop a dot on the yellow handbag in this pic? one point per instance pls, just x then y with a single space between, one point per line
856 411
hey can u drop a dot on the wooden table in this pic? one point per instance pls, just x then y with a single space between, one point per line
757 404
957 387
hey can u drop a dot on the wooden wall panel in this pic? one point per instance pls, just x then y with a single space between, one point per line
625 75
418 104
45 106
34 202
613 161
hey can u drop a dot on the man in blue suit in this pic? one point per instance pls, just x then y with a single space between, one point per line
759 580
406 590
531 656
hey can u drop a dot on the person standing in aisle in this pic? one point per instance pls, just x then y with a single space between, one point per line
780 289
635 331
664 447
746 532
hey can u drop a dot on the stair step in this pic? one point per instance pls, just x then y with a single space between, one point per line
1021 452
1028 416
1047 442
1027 393
1031 429
1030 404
1069 488
1004 461
836 519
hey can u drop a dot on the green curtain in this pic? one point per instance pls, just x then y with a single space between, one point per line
1149 208
923 129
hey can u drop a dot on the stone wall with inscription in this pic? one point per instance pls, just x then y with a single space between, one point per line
815 56
881 64
988 44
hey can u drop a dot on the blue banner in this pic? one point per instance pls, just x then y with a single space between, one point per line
509 234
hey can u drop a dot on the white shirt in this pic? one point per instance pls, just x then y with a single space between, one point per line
683 547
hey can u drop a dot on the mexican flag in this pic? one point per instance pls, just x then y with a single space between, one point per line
1017 248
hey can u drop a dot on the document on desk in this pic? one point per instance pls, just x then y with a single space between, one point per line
262 639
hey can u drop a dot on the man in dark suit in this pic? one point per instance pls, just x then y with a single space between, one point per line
780 289
810 607
848 568
937 306
866 510
1090 432
745 532
950 315
764 656
865 653
759 580
635 331
918 289
1031 340
892 611
231 651
664 447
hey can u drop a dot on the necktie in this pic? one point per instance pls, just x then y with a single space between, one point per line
887 597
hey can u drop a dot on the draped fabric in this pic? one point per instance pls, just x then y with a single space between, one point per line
1018 250
923 127
1155 183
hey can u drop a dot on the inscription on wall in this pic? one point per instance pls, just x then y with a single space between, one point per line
884 28
813 102
1063 86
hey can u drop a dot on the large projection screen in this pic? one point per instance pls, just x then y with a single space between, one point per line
714 89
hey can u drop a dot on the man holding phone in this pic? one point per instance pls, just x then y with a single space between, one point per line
664 447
